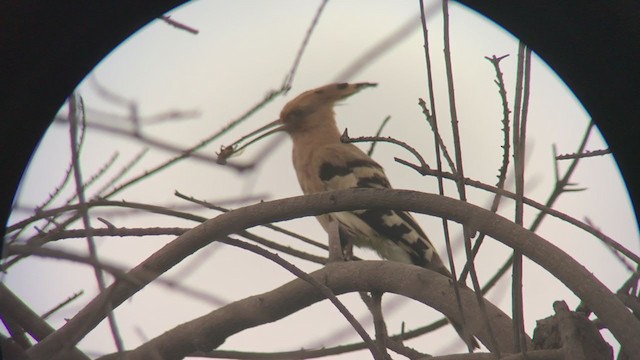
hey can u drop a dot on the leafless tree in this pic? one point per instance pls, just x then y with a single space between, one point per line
91 202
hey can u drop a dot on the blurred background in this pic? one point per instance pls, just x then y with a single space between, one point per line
166 89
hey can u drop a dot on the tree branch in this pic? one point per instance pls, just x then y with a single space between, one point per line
210 331
561 265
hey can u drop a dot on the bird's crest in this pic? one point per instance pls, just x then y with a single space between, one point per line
296 110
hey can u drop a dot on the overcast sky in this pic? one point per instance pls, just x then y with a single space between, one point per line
243 50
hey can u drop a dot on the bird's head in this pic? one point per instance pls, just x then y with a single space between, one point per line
316 105
305 113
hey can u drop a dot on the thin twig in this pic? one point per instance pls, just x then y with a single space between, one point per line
561 183
557 262
378 133
584 154
43 238
284 249
57 189
106 203
187 153
147 140
103 169
117 271
80 187
47 252
170 116
457 142
268 226
519 143
611 247
11 306
178 25
452 102
502 91
375 306
440 146
546 210
323 289
506 146
52 196
346 139
123 171
115 232
431 117
288 80
85 185
62 304
378 49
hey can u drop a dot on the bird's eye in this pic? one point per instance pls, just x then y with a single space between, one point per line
297 113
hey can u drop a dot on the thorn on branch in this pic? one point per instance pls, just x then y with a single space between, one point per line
434 129
109 225
584 154
62 304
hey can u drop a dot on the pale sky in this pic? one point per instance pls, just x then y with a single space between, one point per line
243 50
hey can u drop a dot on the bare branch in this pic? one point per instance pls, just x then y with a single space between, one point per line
377 50
84 213
584 154
178 25
523 78
268 226
502 172
311 354
128 166
147 140
324 290
440 146
604 304
378 133
69 300
118 272
288 80
12 307
210 331
611 246
346 139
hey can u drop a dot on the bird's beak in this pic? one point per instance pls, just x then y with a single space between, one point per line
257 135
362 85
330 94
345 90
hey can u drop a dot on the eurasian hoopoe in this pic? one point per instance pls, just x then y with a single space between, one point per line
322 162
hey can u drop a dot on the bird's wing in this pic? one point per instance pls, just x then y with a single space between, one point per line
395 235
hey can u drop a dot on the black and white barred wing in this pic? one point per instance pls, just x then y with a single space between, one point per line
394 235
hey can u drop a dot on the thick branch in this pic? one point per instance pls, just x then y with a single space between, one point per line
561 265
435 290
12 307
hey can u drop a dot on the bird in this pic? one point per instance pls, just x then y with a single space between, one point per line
322 162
